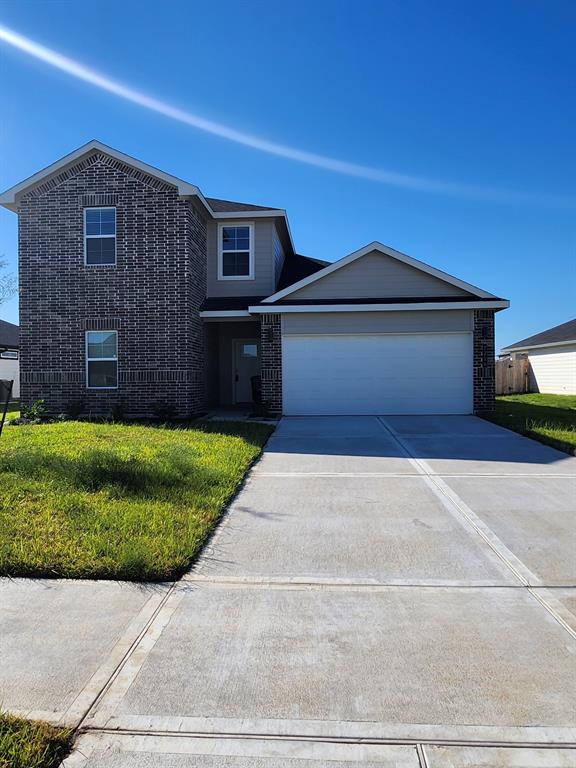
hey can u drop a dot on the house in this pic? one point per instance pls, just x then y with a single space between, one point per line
138 290
9 354
551 359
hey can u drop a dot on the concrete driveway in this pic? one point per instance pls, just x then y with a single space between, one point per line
395 591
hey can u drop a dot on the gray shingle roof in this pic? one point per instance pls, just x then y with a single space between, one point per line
229 206
560 333
9 334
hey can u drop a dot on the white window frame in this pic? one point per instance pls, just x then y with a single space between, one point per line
9 354
86 236
100 359
250 275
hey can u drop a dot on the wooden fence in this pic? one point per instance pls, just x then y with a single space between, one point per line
512 375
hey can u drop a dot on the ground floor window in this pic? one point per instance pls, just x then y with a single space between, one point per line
102 359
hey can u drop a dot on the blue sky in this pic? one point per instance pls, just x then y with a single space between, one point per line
476 95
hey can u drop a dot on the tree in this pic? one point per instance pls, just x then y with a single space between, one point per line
8 283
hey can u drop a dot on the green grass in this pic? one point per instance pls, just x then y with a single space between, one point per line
551 419
13 411
116 501
30 744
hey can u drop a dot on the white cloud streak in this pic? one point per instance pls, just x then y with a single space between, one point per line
392 178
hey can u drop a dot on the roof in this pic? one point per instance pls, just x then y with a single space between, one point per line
376 246
229 206
296 268
9 334
560 334
393 300
9 198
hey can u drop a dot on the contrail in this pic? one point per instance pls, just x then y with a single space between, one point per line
78 70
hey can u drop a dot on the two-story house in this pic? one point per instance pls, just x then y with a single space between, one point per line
137 290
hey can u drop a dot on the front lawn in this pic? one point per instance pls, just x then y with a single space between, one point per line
29 744
551 419
116 501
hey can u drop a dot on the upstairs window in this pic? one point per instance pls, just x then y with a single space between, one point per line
100 236
236 252
102 359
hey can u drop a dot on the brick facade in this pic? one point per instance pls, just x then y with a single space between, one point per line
271 361
484 360
151 296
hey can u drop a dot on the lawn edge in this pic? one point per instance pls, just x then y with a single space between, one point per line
551 442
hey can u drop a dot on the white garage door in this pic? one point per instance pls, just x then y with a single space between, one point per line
372 374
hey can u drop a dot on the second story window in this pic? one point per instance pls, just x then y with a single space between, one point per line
100 236
236 252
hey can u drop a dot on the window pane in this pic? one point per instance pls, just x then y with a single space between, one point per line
93 215
107 228
250 350
92 228
102 373
102 344
101 250
235 264
107 214
235 238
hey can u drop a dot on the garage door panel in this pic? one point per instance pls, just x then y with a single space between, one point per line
369 374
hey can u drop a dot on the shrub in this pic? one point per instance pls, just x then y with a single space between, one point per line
34 412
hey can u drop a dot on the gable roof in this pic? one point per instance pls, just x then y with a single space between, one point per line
296 268
217 208
9 198
560 334
370 248
9 334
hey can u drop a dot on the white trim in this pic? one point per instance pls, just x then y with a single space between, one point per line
9 354
376 246
539 346
9 198
99 359
278 308
250 275
93 237
214 313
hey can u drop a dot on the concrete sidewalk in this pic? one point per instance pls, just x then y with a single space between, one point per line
395 591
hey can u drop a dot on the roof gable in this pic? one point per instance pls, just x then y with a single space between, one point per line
377 271
9 198
9 334
559 334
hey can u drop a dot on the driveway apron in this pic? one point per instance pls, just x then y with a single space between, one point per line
382 591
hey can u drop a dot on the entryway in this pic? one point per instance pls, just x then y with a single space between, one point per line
246 366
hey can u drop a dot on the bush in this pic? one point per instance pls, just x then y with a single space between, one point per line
164 411
75 409
34 412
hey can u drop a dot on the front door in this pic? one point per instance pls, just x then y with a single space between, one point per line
246 365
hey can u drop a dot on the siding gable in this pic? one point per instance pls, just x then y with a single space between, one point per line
377 275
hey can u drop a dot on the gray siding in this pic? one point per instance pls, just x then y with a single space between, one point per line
426 321
264 279
278 254
377 276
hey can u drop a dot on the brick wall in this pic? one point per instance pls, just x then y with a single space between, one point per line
151 296
484 360
271 361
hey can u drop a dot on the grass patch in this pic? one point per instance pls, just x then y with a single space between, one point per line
31 744
116 501
13 411
551 419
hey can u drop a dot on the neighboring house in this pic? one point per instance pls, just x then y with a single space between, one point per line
9 355
552 359
138 290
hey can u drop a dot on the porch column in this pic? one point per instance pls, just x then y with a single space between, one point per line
271 361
